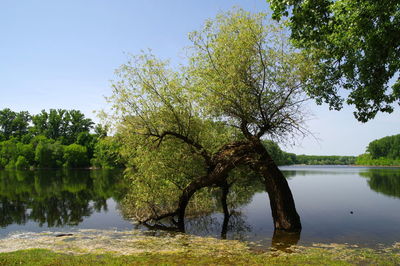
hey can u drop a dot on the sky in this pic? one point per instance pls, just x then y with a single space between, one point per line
63 54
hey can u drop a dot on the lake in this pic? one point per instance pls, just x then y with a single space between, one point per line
337 204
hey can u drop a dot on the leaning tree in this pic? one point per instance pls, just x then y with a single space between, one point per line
189 129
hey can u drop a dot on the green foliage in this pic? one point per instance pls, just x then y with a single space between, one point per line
42 142
101 130
75 156
242 81
21 163
246 72
354 45
366 159
384 151
280 157
283 158
49 154
10 150
160 176
324 160
11 164
13 124
60 124
27 151
107 153
88 140
388 147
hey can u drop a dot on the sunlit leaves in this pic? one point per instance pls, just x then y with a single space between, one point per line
242 80
246 73
355 46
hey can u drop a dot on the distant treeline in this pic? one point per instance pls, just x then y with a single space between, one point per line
384 151
285 158
55 139
65 138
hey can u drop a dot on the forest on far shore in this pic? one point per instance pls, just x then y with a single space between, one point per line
66 138
380 152
384 151
285 158
55 139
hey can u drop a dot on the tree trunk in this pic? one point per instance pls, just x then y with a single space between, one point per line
254 154
187 195
281 199
224 196
227 158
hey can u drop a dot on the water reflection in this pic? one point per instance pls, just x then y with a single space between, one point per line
224 218
283 241
336 205
385 181
234 223
324 198
55 198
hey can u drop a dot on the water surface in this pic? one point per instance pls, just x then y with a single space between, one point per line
60 201
354 205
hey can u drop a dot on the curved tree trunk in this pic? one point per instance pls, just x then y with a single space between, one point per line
254 154
187 195
227 158
281 199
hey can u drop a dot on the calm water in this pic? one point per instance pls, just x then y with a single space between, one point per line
336 204
60 201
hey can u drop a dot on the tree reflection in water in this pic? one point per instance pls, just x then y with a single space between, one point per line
385 181
55 197
227 200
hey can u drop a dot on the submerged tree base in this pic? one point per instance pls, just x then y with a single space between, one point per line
91 247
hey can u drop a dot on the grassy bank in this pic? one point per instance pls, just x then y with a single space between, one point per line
308 256
132 248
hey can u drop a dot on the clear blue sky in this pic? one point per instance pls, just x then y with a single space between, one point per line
62 54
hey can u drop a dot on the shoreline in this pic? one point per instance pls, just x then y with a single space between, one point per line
92 247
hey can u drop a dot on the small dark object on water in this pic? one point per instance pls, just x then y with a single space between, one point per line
351 212
60 235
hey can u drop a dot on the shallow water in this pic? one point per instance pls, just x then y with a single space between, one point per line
350 205
355 205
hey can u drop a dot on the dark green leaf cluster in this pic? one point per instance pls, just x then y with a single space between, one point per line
385 147
355 45
13 124
58 138
64 126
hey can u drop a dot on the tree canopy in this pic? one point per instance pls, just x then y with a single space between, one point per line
13 124
187 130
355 45
383 151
